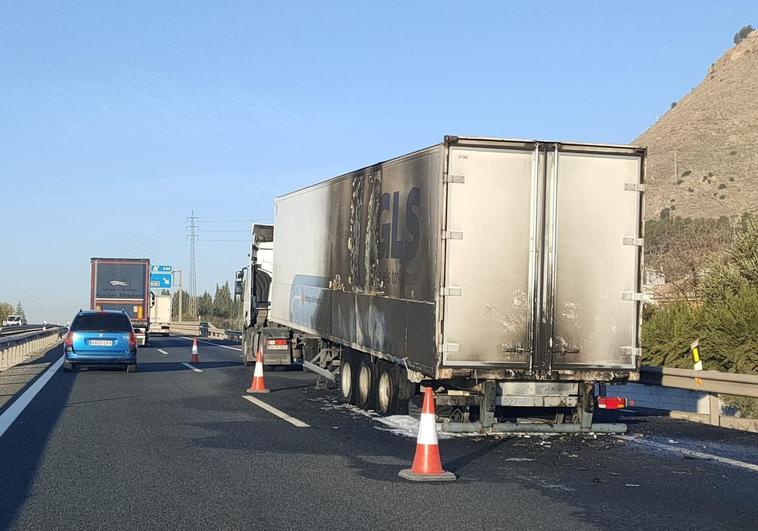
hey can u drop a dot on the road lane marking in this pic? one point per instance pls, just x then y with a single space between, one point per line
162 351
192 367
15 409
212 343
281 414
692 453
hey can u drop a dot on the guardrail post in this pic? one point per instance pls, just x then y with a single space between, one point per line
714 409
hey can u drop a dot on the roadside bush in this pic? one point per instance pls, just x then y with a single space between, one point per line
667 334
724 318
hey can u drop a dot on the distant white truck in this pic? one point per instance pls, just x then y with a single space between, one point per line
160 314
14 320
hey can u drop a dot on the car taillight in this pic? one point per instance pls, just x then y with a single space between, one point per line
69 342
132 339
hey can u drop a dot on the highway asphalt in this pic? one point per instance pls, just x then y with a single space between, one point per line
171 447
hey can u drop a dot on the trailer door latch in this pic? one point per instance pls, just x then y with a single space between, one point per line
452 292
453 178
452 235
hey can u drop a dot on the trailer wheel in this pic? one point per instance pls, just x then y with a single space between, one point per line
366 384
347 377
386 390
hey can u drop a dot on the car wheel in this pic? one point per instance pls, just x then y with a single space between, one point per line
132 367
68 366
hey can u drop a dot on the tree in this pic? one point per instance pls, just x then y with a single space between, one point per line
222 301
744 32
185 306
678 248
20 310
5 310
205 305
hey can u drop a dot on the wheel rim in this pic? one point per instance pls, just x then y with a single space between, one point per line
384 392
364 383
346 380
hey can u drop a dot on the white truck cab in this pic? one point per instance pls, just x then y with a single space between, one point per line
14 320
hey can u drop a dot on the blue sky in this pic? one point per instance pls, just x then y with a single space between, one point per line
119 118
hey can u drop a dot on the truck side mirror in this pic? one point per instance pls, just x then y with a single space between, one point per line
238 278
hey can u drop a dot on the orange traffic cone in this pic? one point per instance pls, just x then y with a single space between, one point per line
427 465
194 358
258 385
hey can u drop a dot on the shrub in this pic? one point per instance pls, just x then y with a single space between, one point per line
679 181
744 32
722 186
667 335
685 173
732 152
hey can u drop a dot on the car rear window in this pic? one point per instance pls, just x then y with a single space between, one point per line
101 323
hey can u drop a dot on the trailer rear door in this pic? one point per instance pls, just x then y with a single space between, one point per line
542 256
593 256
491 201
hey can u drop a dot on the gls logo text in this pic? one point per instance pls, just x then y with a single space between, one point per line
391 243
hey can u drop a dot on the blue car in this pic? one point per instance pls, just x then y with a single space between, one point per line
100 338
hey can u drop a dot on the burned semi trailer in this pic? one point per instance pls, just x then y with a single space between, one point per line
502 272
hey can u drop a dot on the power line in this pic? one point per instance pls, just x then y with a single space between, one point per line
245 220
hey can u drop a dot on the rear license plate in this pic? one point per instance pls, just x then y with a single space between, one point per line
101 342
277 344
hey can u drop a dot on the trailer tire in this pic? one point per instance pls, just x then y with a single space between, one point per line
387 390
347 378
365 390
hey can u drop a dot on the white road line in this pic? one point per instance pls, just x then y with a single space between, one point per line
192 367
15 409
281 414
162 351
212 343
691 453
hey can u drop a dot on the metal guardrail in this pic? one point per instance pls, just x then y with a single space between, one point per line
189 328
713 383
16 348
203 329
723 383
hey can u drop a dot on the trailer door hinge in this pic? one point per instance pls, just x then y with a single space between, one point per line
629 240
634 352
452 235
452 292
454 178
634 187
633 296
451 347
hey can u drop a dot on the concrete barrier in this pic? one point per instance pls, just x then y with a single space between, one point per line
18 348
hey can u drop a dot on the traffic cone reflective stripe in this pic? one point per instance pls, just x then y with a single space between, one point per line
427 464
195 358
258 385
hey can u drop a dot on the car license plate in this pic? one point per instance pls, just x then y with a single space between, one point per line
101 342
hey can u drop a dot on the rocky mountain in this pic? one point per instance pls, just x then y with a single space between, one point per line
703 153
